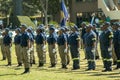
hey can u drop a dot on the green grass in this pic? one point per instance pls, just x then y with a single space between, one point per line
45 73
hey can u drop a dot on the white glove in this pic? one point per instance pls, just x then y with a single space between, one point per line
43 48
54 50
65 50
28 51
31 48
93 50
78 49
109 49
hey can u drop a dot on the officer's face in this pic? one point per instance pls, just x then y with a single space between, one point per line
60 32
28 31
88 29
50 31
73 29
105 27
114 27
83 25
23 29
101 28
93 28
16 31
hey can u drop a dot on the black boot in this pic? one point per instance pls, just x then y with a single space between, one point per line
64 67
52 65
97 58
9 64
68 62
33 61
115 62
27 70
40 64
4 58
19 64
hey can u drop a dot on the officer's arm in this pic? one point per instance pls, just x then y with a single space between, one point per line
78 41
29 43
111 38
54 42
94 40
10 41
65 42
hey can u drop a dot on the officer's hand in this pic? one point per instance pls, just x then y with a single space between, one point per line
65 50
54 50
44 47
109 49
78 49
68 46
28 51
93 50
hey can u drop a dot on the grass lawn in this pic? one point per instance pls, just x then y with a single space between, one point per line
45 73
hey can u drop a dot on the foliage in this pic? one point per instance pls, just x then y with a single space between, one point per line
18 20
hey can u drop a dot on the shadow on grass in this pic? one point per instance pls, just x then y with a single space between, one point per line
105 74
12 74
114 77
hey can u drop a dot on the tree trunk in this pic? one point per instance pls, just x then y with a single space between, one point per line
17 7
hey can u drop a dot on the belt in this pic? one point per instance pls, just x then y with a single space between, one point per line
50 43
16 44
6 44
23 46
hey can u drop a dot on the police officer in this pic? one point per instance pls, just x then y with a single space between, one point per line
25 48
40 46
74 42
44 33
32 57
66 32
7 41
82 36
62 47
116 44
17 39
106 39
90 45
52 40
2 46
97 36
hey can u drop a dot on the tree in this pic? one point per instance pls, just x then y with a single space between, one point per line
44 6
5 7
17 7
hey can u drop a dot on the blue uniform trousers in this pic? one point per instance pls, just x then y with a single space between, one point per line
117 52
107 56
75 56
90 57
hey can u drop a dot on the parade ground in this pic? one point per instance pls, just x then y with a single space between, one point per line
45 73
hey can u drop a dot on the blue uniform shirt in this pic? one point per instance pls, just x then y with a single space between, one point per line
17 39
97 34
67 36
52 38
24 39
40 38
116 37
7 40
90 38
61 39
83 32
105 38
73 39
31 36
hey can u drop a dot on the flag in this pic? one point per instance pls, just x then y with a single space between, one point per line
64 14
92 21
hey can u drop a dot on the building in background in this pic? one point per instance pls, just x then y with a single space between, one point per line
83 10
